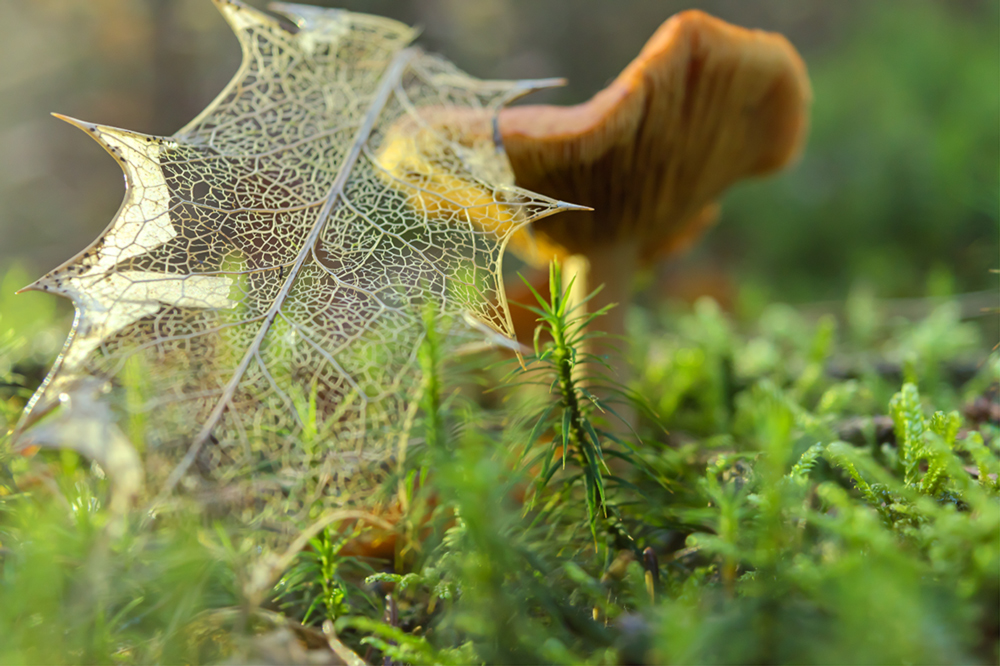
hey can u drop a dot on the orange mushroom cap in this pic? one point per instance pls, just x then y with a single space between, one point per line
704 104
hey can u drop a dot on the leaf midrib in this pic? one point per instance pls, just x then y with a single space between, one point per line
393 74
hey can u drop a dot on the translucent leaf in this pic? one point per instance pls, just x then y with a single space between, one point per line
284 244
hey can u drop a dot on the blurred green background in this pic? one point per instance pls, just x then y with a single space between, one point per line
896 193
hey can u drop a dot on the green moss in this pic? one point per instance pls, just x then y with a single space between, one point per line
801 491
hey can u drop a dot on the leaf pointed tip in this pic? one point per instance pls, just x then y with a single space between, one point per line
228 5
75 122
241 16
528 86
562 205
531 85
116 140
37 285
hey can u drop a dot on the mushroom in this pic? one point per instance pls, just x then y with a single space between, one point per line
704 104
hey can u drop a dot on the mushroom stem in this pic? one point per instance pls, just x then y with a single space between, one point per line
610 267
